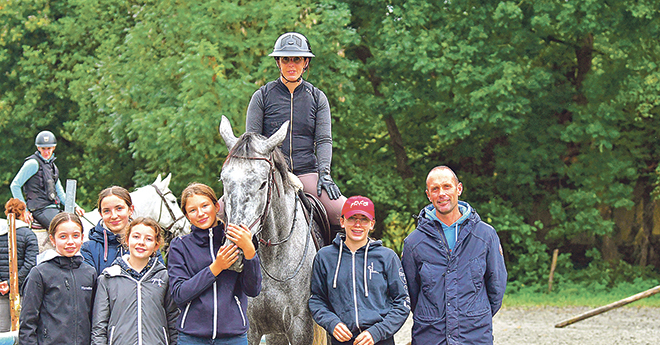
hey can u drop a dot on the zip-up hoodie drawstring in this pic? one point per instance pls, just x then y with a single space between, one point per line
366 287
105 245
341 247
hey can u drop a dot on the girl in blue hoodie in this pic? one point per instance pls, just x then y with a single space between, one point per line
105 239
104 245
359 292
212 299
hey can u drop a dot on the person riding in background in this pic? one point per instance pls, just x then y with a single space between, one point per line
37 184
308 143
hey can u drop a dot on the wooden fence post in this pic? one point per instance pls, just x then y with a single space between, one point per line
14 303
555 253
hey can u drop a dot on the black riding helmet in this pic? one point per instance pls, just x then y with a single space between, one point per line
45 139
292 44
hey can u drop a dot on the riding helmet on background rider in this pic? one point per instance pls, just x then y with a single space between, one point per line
292 45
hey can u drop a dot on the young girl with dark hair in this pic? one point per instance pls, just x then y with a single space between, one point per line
104 246
133 304
59 291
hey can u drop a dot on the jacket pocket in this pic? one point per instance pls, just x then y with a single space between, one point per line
111 335
240 310
183 317
167 342
431 275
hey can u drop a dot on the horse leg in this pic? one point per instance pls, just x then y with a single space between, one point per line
254 337
302 330
276 339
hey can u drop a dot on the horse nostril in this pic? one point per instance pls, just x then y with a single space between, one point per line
263 185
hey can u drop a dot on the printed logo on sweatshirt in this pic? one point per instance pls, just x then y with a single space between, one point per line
372 270
86 288
157 281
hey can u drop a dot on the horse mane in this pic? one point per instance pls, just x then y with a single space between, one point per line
246 147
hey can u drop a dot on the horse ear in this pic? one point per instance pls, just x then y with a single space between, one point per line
166 182
227 133
157 179
278 137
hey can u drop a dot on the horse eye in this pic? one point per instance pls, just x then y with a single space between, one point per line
262 186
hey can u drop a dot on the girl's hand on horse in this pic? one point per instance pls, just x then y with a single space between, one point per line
342 333
242 236
227 255
364 338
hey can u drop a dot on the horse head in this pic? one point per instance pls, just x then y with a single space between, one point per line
158 202
253 172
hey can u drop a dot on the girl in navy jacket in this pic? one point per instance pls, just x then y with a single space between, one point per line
212 299
359 292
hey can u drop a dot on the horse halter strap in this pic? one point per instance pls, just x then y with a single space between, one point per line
167 206
271 181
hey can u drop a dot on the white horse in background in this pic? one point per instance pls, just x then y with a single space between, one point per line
155 200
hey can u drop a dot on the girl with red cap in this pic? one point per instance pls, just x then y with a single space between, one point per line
359 292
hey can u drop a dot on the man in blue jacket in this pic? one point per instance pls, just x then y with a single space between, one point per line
454 266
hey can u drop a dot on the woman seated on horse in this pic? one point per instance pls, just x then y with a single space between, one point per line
104 246
308 143
200 282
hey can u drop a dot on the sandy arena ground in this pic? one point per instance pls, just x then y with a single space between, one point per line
536 326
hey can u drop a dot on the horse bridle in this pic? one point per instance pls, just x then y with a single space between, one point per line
270 243
167 206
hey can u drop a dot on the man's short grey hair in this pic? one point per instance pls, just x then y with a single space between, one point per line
443 167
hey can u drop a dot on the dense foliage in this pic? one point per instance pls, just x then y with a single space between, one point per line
547 110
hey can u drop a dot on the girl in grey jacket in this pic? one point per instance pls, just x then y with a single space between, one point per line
133 304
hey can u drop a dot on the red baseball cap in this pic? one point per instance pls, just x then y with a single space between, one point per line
358 205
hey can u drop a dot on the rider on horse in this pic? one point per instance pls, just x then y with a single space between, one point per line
39 180
308 143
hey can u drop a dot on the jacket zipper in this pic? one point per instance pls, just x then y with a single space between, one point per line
355 303
215 288
75 293
291 134
139 311
238 302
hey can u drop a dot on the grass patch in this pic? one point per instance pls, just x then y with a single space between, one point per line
581 295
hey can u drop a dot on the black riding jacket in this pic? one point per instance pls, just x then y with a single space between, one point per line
309 136
39 190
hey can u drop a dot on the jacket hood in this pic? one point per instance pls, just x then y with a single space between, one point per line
62 261
102 235
425 223
117 270
339 242
4 226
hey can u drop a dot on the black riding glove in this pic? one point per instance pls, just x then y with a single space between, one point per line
326 182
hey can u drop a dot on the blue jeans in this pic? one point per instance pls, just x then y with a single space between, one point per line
186 339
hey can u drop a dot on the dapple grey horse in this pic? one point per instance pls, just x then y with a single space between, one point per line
260 192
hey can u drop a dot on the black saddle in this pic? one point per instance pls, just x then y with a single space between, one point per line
321 234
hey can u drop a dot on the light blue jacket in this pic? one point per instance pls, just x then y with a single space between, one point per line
29 168
454 294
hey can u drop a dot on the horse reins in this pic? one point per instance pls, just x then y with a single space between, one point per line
167 206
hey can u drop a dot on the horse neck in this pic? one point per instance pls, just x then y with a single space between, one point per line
279 220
